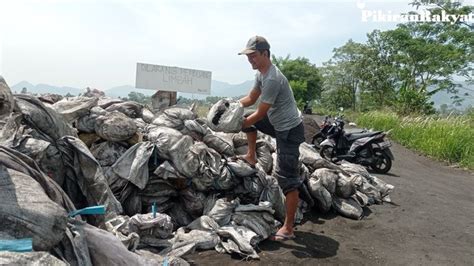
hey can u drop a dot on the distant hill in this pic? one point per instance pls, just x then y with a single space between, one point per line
123 91
223 89
466 93
45 88
218 88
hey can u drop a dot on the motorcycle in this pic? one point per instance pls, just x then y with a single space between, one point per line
322 134
369 149
307 109
323 131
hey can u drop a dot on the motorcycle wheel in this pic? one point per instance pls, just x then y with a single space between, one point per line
327 152
317 141
382 163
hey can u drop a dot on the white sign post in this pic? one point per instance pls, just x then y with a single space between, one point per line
166 78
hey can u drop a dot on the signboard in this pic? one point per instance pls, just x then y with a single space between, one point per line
166 78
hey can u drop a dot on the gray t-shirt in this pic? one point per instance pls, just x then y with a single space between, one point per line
276 90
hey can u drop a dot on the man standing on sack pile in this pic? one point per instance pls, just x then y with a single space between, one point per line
277 116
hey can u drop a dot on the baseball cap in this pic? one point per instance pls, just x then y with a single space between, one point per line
255 43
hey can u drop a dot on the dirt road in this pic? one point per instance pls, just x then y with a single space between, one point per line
430 222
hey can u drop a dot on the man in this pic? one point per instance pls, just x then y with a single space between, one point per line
278 116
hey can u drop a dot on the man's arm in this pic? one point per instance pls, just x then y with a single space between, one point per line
250 99
256 116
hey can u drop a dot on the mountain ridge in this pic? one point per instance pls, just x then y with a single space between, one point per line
218 88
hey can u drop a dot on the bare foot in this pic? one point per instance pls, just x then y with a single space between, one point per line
250 159
282 235
285 231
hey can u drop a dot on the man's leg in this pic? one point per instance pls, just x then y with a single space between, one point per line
287 173
291 205
264 126
251 156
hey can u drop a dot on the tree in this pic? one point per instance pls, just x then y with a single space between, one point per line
300 90
426 56
378 73
302 74
213 99
405 66
24 90
139 97
343 73
359 75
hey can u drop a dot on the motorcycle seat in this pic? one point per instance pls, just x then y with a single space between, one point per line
354 136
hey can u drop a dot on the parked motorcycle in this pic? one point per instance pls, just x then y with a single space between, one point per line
322 134
369 149
307 109
323 131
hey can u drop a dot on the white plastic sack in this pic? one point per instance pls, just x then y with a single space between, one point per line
222 210
41 121
179 216
115 126
119 227
147 115
347 207
174 117
29 258
219 144
131 109
345 187
264 156
164 138
73 108
6 98
167 171
193 201
46 155
194 129
311 158
328 178
133 164
272 193
226 115
145 224
322 197
86 123
180 113
26 211
108 152
106 249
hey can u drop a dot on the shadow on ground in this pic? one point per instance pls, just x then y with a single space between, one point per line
306 245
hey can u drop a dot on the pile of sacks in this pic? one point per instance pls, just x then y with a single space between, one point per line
170 182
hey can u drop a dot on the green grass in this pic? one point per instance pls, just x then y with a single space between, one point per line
348 113
202 110
317 110
445 138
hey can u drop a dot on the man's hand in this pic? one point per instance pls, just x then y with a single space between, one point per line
246 124
256 116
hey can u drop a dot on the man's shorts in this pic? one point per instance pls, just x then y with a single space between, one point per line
288 142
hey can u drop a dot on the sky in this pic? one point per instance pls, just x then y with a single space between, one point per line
98 43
